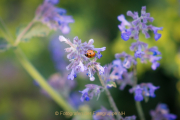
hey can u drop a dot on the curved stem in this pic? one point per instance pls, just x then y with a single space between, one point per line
138 104
111 101
41 81
18 40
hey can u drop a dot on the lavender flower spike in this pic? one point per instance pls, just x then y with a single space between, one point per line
90 91
79 62
139 48
152 54
139 23
128 59
143 90
162 113
54 17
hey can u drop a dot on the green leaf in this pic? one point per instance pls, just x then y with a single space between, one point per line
111 84
36 30
4 45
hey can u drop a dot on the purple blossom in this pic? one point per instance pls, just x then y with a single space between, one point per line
73 99
60 84
132 29
90 91
118 69
127 79
79 62
108 76
55 48
152 54
55 18
162 113
124 23
138 47
103 114
133 117
143 90
128 59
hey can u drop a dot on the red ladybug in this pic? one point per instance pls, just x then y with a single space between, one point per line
90 54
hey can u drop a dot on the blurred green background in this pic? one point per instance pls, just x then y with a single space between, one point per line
20 99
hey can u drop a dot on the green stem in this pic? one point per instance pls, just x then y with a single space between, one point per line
111 101
18 40
42 82
140 111
138 104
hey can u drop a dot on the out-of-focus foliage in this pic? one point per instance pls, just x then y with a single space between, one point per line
96 19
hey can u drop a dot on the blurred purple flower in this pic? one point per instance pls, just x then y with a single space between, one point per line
152 54
79 62
55 48
143 90
133 117
55 18
127 79
60 84
118 69
103 114
74 100
139 48
132 29
162 113
128 59
90 91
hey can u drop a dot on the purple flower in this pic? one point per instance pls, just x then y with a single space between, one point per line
155 30
60 84
55 18
73 99
133 117
125 32
128 59
55 48
152 54
52 1
152 89
143 90
118 69
138 47
79 62
132 29
127 79
103 114
108 76
90 91
162 113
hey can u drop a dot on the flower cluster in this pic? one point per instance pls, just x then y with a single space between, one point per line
143 90
55 18
162 113
90 91
139 23
79 62
144 53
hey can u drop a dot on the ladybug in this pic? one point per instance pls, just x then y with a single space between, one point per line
90 54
